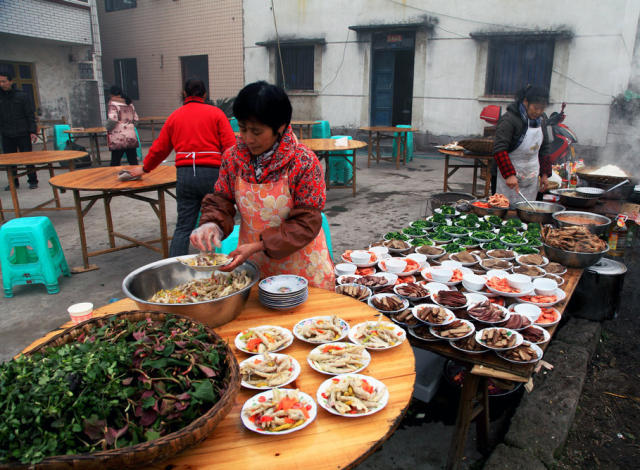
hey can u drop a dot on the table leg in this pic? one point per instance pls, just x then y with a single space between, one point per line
370 149
487 178
482 420
44 139
446 173
153 132
398 141
163 223
353 164
463 420
11 172
97 146
475 176
56 196
403 140
109 219
83 237
378 148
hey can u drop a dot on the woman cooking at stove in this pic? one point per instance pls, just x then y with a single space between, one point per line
521 146
277 186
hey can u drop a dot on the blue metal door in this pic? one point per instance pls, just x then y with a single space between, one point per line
382 88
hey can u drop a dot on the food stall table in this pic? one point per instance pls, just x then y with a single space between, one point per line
41 133
302 126
105 181
14 164
94 134
484 366
399 135
330 441
152 120
479 162
323 149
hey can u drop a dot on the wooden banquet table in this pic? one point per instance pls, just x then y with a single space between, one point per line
41 133
105 181
330 441
302 126
94 134
152 121
327 148
479 162
15 164
483 367
388 131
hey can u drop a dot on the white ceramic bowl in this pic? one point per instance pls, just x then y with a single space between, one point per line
395 265
441 274
419 258
532 312
545 286
379 251
522 282
451 264
496 273
360 256
473 281
345 269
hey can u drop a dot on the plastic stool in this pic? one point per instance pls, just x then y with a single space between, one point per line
327 234
60 139
340 171
231 242
139 149
321 130
409 144
30 252
234 124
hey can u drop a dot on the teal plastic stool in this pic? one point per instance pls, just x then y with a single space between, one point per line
231 242
139 149
234 124
60 139
409 144
327 234
30 253
321 130
341 172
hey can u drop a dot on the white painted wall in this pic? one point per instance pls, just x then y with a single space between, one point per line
450 67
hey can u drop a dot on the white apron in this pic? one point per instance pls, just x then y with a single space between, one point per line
525 161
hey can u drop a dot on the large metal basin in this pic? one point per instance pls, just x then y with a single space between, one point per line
573 259
145 281
569 197
597 229
541 214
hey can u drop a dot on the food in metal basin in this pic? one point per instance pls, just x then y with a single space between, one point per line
200 290
498 200
206 260
267 370
576 238
338 358
579 220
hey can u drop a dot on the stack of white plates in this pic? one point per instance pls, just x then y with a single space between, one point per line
283 292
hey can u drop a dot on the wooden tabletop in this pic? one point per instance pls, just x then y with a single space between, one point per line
106 179
303 123
388 129
153 118
463 154
330 441
39 157
328 145
42 127
87 130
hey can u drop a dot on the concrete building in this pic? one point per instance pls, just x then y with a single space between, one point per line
436 64
150 47
53 48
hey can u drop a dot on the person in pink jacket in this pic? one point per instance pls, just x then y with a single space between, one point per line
121 130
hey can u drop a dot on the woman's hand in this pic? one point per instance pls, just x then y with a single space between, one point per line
241 254
512 182
136 171
207 237
544 183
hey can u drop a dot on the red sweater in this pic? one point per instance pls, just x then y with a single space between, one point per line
194 127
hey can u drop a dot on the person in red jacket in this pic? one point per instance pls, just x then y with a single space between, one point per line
199 133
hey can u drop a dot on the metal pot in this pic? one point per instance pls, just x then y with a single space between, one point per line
597 229
142 283
569 197
541 214
597 295
624 192
573 259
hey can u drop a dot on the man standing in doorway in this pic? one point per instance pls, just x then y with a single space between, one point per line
17 123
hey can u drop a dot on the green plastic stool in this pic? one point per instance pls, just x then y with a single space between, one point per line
231 242
60 139
139 149
327 234
321 130
30 253
409 144
234 124
341 172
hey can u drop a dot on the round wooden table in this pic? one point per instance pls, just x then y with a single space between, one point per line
105 180
330 441
40 160
94 134
327 148
302 125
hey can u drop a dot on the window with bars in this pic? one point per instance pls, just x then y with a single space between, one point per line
297 62
514 63
24 77
126 74
115 5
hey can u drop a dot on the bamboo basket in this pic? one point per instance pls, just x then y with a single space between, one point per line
478 146
140 455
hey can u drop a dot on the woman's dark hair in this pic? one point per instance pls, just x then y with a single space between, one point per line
194 87
115 90
266 103
6 72
533 94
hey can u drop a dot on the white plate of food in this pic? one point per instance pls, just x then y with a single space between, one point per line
265 338
258 412
496 285
535 334
434 287
268 370
468 345
555 268
388 303
355 291
488 312
525 353
347 279
352 395
377 335
503 254
498 338
455 279
453 300
466 258
338 358
448 215
422 333
377 280
321 329
410 269
548 317
397 246
412 291
458 329
205 261
544 300
432 314
532 260
373 259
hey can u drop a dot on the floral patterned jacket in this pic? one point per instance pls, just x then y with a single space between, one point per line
123 135
306 185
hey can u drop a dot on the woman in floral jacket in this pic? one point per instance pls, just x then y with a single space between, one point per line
277 186
121 130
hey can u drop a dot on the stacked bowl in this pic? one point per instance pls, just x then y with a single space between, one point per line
283 292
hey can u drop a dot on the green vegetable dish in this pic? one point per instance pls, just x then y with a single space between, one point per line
438 218
447 210
484 235
441 237
421 224
494 220
484 225
457 230
118 385
508 231
535 243
422 241
472 216
453 248
495 245
396 236
515 223
526 250
413 232
467 241
466 223
513 240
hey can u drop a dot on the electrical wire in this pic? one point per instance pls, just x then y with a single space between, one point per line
344 51
275 25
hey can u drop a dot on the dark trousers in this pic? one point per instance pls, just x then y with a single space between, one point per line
116 156
190 191
20 144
